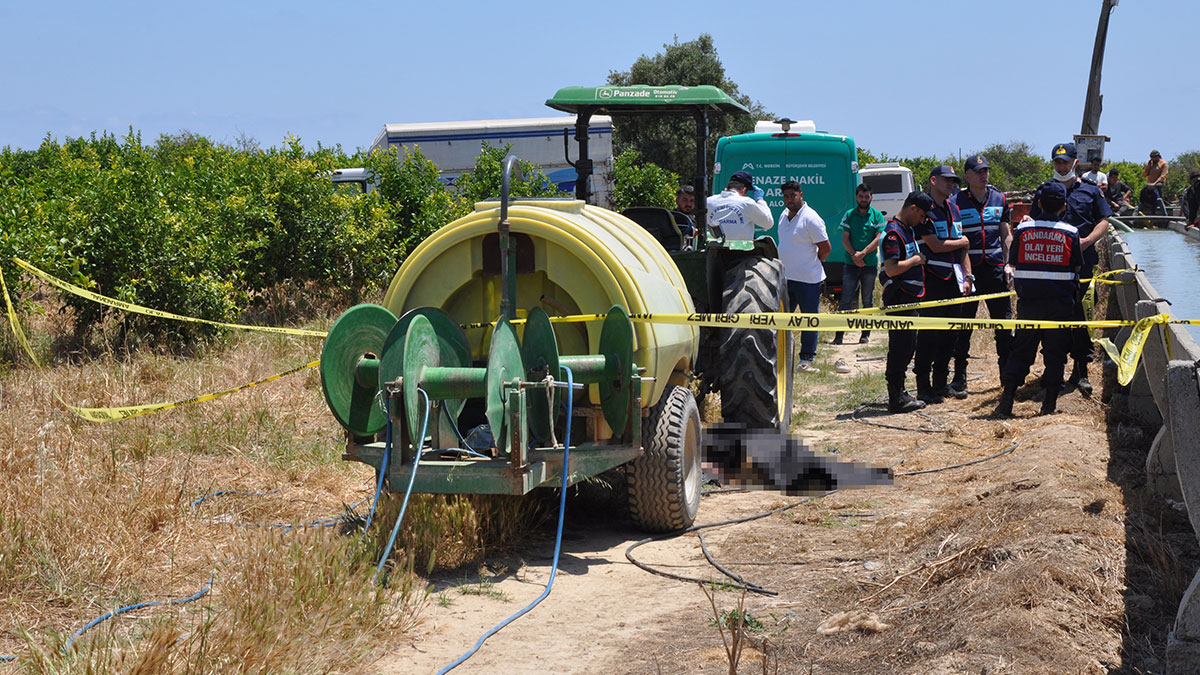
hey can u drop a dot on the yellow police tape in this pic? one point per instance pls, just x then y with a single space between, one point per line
125 412
1100 278
138 309
929 303
1127 358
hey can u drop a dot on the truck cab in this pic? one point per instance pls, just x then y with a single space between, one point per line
825 165
890 184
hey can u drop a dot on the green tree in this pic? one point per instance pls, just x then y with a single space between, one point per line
1177 181
1016 166
670 142
483 182
642 183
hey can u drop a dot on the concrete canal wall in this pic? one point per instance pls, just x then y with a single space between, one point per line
1165 392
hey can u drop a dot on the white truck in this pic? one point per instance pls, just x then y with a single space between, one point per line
890 184
454 146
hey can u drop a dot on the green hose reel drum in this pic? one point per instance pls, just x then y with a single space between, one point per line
350 367
571 258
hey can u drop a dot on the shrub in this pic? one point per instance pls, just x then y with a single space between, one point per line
642 183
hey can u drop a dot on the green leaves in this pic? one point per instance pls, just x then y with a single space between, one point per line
199 228
641 183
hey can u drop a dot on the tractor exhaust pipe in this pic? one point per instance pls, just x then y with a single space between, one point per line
508 261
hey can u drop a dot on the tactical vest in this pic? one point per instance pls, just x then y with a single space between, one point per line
981 225
912 281
1044 257
945 226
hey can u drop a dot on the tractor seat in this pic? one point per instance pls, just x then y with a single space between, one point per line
673 229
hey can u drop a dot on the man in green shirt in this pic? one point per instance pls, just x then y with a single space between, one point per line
861 227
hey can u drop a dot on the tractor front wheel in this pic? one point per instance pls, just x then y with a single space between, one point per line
664 483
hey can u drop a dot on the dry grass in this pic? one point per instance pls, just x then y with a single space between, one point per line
97 516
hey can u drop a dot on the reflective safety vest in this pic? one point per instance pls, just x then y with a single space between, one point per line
981 225
899 242
945 222
1045 259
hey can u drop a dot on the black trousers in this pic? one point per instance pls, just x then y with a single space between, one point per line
1082 348
1055 342
902 344
988 279
936 347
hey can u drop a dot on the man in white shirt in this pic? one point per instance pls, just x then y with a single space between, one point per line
1096 175
737 215
803 244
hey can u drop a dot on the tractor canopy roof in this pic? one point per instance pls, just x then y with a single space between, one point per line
644 98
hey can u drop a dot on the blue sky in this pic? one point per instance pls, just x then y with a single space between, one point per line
902 78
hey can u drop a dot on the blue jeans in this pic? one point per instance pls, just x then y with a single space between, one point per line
854 279
808 298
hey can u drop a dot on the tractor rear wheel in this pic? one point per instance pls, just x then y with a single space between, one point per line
664 483
755 366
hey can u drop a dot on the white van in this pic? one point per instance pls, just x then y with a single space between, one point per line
890 184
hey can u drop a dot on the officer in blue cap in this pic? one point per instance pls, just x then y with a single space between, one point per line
985 218
947 275
1088 211
1046 257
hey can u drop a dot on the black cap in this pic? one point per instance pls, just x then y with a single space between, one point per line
976 162
744 178
943 171
1052 195
1063 151
920 200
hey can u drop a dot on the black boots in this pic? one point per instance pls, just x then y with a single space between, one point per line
837 338
1004 409
958 386
865 337
900 402
1079 379
925 391
1050 403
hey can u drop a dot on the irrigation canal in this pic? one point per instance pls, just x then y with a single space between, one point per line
1171 262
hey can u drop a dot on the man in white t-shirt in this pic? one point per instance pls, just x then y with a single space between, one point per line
803 244
739 211
1096 175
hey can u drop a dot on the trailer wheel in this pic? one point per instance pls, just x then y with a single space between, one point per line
756 366
664 483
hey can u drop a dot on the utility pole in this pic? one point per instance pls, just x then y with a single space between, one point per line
1093 103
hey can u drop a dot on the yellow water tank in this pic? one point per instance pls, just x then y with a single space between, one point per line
572 258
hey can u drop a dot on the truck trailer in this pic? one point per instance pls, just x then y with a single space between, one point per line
543 141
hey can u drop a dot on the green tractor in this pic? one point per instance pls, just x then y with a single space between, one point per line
752 369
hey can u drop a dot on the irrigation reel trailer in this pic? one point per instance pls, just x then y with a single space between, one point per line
390 365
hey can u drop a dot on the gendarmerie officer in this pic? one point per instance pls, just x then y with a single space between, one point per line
945 250
1088 211
985 218
902 277
1046 258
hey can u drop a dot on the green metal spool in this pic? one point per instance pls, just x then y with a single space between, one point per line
539 352
350 367
504 365
454 350
611 369
616 340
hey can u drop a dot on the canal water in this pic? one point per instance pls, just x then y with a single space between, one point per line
1171 262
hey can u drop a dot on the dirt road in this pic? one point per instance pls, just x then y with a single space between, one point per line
1046 559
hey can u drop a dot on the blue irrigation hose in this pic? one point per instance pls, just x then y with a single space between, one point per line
562 510
287 527
383 467
129 608
239 493
419 441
